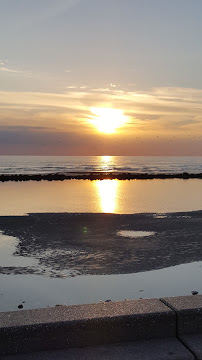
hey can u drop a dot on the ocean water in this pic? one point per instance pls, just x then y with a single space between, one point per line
107 196
135 164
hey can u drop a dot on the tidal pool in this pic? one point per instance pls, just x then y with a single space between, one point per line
39 291
135 234
52 259
101 196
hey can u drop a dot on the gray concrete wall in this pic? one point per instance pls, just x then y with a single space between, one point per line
100 324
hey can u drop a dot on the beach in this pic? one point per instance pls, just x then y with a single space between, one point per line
74 258
90 244
75 241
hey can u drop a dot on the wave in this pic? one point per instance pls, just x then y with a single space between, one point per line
47 165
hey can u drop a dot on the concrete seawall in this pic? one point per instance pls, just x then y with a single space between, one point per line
175 320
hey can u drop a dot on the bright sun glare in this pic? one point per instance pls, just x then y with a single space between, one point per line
108 120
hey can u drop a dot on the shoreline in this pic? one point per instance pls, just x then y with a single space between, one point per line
63 248
97 175
91 244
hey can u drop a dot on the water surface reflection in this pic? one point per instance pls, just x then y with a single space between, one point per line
106 163
47 259
107 190
84 196
40 291
64 245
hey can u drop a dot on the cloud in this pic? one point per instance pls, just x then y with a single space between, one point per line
157 110
101 90
71 87
81 87
6 69
39 141
28 135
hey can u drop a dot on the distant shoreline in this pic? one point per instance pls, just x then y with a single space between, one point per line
97 175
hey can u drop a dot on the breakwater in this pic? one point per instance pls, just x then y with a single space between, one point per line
96 176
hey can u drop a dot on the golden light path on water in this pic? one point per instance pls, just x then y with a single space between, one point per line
105 162
107 190
114 196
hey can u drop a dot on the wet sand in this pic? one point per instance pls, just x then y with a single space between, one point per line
80 244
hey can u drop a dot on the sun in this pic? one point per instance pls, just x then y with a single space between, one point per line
107 120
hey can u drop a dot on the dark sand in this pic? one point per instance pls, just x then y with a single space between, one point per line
89 244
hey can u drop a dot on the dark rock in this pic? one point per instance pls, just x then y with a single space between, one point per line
194 292
20 306
96 176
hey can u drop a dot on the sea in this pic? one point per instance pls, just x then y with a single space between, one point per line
158 196
100 196
133 164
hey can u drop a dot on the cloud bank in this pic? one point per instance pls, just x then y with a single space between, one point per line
166 120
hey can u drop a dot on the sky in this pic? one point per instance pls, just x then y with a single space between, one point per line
70 70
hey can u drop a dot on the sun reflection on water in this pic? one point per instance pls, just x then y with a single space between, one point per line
107 190
106 163
106 158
